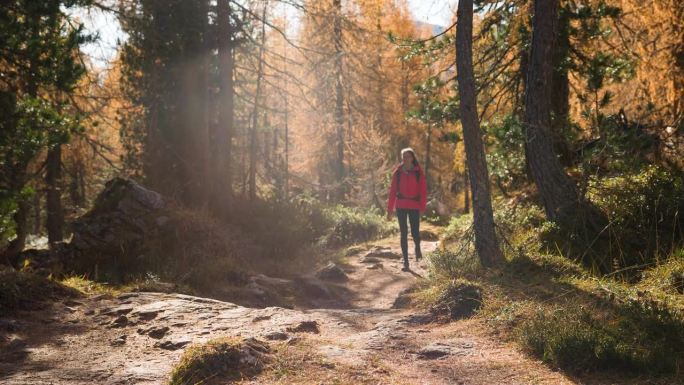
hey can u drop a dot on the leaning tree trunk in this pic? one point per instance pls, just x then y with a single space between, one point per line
558 193
486 243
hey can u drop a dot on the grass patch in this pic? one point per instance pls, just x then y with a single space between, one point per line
24 290
637 338
451 299
574 340
221 361
149 284
87 286
447 263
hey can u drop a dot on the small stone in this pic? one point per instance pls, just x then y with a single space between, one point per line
147 315
332 272
382 254
305 327
120 340
158 332
353 250
419 319
170 345
261 318
434 351
122 310
119 322
276 336
368 259
375 266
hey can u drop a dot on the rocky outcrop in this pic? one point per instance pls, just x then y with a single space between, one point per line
112 237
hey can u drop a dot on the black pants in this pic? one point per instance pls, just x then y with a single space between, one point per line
414 220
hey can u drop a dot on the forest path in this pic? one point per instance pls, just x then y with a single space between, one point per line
137 338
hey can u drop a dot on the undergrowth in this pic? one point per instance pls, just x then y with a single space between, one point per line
562 312
220 361
23 290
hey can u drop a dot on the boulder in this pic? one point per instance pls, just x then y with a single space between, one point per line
110 238
332 272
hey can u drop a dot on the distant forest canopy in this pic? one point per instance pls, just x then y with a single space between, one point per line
218 102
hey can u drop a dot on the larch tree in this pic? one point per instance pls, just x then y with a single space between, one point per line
486 242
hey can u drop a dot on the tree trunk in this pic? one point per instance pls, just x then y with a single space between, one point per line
286 165
339 189
192 101
255 112
677 74
560 84
466 191
77 191
222 195
558 193
53 199
486 242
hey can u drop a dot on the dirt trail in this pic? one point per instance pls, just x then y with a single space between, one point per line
136 338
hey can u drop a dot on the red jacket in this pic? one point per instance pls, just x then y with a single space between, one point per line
412 191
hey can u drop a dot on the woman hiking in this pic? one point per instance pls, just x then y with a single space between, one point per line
408 195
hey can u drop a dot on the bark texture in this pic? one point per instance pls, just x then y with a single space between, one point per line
222 195
486 242
55 213
557 191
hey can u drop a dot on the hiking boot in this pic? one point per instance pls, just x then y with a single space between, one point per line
405 268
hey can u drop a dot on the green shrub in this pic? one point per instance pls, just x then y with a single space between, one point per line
350 225
458 226
506 155
645 211
282 228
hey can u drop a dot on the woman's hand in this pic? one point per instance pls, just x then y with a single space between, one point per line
389 215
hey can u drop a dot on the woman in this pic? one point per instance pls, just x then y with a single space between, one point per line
408 195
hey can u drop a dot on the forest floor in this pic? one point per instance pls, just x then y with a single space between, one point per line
357 337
